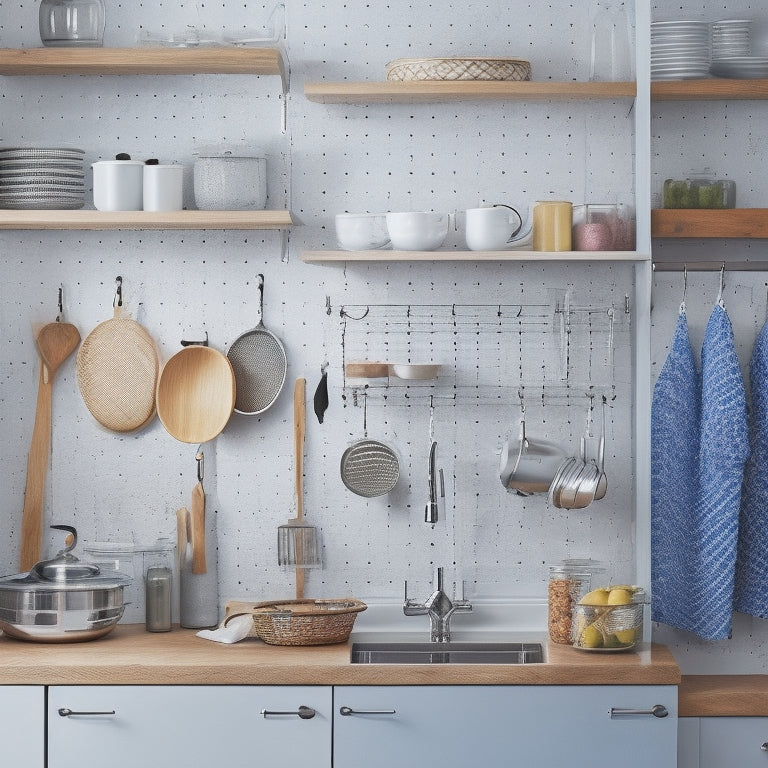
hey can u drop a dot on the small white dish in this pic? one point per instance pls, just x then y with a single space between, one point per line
414 372
361 231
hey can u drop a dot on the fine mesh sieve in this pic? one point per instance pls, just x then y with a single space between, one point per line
259 362
368 467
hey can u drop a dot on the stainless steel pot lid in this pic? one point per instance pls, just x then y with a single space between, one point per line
64 572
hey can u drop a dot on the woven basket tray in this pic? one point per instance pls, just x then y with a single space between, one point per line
459 69
300 622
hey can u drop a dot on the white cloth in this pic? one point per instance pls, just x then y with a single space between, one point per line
237 629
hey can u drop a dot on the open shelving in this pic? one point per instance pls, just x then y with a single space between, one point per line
462 90
325 257
138 220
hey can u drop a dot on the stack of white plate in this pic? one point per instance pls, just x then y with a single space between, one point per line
42 178
731 37
680 49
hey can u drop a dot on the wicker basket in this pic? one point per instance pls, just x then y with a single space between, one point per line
300 622
459 69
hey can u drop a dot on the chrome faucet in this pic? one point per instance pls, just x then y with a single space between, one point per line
439 607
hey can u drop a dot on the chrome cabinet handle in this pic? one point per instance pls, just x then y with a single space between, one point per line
305 713
65 712
346 711
657 710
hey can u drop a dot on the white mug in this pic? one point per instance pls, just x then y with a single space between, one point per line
163 187
493 228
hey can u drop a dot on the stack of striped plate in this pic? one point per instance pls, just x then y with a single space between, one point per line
50 178
680 50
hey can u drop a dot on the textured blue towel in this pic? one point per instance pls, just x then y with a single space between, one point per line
675 429
723 451
752 556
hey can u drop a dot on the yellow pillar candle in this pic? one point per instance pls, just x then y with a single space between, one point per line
552 225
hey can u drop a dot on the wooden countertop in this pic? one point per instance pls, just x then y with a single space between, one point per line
723 696
132 656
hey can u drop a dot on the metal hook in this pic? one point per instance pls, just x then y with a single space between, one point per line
118 300
187 343
722 285
61 304
343 313
200 458
521 398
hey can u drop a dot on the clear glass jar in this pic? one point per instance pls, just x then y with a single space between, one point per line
603 227
72 23
569 581
700 189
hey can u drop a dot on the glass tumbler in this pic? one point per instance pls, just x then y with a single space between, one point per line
72 23
611 51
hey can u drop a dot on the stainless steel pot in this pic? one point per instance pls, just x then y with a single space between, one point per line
62 600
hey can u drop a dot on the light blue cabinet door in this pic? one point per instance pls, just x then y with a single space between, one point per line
189 726
733 742
503 726
22 726
688 730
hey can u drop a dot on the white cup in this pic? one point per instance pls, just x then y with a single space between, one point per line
163 187
417 230
492 228
118 185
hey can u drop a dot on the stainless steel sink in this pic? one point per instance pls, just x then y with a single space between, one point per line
447 653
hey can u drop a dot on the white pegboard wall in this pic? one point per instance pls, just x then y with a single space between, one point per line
334 158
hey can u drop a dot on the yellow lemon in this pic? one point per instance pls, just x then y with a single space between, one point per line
596 597
619 596
591 637
626 636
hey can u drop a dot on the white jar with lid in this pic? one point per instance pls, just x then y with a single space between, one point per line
118 185
163 187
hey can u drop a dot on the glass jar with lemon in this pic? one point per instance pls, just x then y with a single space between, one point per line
609 618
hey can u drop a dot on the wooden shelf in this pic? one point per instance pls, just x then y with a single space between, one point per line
708 223
142 61
326 257
100 220
462 90
714 89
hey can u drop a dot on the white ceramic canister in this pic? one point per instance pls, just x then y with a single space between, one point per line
118 185
163 187
229 183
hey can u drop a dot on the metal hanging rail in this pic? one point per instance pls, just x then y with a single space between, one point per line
710 266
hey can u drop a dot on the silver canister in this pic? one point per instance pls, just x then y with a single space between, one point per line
158 599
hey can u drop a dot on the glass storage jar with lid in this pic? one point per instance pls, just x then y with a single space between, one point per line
700 189
569 581
603 227
72 23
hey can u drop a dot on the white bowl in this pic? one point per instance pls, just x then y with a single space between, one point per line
361 231
417 230
421 372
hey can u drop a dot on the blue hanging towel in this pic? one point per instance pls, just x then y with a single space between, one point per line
675 428
723 451
751 591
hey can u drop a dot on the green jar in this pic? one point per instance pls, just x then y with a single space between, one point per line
700 190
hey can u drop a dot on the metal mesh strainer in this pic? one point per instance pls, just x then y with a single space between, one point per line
368 467
259 363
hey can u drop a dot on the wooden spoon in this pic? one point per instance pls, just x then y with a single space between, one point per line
55 343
